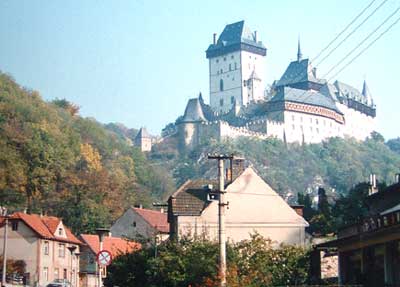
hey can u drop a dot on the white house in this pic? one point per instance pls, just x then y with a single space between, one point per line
253 206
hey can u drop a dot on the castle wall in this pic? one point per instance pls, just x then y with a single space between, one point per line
300 127
188 135
357 124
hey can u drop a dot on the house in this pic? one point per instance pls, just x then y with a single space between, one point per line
45 244
369 251
141 223
253 206
88 267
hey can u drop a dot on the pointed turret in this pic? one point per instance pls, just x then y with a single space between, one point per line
367 95
299 54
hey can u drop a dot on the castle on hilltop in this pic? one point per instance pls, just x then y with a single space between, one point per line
300 107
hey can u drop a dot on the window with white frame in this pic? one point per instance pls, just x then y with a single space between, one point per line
61 250
46 247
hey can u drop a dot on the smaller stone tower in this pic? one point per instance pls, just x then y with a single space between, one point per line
143 140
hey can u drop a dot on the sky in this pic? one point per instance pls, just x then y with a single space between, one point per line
138 62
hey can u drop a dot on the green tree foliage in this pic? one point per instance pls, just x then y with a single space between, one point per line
194 262
56 162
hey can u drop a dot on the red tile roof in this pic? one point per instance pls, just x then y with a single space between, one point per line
45 226
156 219
115 245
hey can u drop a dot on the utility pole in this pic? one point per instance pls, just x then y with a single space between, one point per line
221 216
3 279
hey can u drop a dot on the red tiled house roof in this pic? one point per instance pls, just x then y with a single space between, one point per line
156 219
45 226
115 245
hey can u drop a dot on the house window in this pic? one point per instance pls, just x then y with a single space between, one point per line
56 273
61 250
221 85
221 102
14 225
46 273
46 248
134 224
60 231
65 274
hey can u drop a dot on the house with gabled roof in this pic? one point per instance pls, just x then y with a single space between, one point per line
88 267
253 206
48 247
141 223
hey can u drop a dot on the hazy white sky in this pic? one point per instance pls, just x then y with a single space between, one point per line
138 62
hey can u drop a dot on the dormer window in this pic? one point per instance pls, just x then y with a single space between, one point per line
60 232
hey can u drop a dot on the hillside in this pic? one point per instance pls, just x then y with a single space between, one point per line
336 164
54 161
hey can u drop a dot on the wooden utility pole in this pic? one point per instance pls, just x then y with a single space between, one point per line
221 216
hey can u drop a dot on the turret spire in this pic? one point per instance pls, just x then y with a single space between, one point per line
299 54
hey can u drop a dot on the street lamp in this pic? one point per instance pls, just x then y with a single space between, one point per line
71 249
77 254
3 211
101 232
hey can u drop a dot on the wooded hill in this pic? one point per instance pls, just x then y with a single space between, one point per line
54 161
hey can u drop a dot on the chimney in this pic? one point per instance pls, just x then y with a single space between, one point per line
228 176
215 38
237 167
255 36
298 209
372 183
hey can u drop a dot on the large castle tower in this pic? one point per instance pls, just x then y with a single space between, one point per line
236 68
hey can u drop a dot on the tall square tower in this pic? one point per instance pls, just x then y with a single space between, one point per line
236 68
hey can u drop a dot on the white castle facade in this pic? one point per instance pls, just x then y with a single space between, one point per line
300 107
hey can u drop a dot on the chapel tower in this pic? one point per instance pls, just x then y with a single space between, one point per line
236 68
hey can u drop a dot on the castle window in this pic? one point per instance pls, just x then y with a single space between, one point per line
232 99
224 58
232 57
217 61
244 83
301 119
310 128
250 56
293 127
221 102
235 66
316 121
230 67
310 120
317 131
222 71
292 117
221 85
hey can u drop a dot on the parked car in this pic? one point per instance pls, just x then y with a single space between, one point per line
59 283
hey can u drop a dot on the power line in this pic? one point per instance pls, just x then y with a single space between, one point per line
344 30
362 42
352 32
367 47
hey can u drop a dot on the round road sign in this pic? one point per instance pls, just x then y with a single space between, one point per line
104 258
